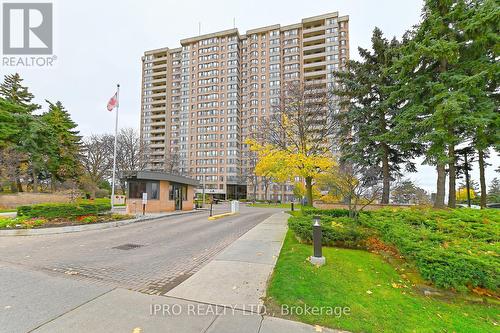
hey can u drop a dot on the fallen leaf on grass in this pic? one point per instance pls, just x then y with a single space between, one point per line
369 292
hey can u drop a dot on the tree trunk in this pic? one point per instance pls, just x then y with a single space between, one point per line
52 183
440 186
386 175
255 184
19 185
35 181
482 179
452 176
309 192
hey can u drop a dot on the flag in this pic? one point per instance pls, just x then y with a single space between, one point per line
113 102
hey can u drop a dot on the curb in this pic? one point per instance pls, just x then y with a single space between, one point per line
88 227
219 216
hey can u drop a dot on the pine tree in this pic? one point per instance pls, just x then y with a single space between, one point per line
430 86
13 91
8 122
479 51
64 147
367 117
494 186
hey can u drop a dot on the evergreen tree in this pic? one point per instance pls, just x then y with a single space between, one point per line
430 87
367 119
13 91
479 52
63 149
9 127
495 186
23 146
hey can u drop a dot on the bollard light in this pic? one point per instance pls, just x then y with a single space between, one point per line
317 258
292 206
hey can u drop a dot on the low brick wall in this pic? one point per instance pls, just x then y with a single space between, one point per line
322 205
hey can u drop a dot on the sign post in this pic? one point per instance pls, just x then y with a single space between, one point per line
144 202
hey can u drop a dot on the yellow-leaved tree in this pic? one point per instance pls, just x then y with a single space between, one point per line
462 194
296 140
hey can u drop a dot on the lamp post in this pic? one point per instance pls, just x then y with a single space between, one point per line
317 258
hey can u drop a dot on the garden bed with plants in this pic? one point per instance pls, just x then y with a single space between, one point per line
61 215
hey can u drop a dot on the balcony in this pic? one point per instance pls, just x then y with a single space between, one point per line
314 47
157 130
158 124
159 94
311 56
315 74
313 38
159 73
306 32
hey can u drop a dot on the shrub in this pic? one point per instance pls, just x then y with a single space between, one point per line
101 193
343 231
453 248
457 249
51 211
326 212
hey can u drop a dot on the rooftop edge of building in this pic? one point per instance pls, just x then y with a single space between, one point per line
235 31
227 32
320 17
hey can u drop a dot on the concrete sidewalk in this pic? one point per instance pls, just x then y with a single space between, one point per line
237 277
224 296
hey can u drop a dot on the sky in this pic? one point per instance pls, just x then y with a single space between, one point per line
100 43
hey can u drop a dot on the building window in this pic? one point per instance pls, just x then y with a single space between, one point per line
137 188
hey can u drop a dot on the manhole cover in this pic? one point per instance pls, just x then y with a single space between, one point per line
128 246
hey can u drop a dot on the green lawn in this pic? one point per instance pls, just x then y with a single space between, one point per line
8 210
374 292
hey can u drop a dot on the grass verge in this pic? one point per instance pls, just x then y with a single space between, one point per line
380 300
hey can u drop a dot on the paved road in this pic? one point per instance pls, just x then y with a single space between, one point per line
149 257
43 277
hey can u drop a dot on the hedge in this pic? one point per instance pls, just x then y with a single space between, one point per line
308 211
455 249
63 210
336 231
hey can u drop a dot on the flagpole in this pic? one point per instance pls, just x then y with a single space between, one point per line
116 143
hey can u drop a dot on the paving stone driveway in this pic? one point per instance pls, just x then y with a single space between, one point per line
149 257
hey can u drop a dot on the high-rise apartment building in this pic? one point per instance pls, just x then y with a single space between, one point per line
201 101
